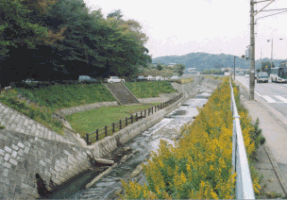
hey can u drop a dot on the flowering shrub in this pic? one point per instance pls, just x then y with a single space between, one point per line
199 166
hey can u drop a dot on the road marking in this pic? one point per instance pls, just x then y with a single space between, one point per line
257 93
268 99
281 98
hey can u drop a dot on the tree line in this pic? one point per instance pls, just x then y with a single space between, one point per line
62 39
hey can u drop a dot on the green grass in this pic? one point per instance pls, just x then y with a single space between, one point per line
42 115
89 121
150 89
65 96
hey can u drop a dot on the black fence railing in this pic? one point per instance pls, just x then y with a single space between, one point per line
122 123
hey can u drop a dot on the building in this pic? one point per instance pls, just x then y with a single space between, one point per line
283 63
192 71
172 64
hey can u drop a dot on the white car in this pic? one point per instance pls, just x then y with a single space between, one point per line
246 75
115 79
159 78
174 78
150 78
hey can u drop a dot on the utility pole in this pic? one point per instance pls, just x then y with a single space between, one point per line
271 53
252 56
234 67
261 59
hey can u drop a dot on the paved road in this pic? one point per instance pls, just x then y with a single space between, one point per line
275 94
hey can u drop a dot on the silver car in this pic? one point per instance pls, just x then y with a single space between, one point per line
262 77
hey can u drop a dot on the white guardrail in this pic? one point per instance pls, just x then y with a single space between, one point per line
244 186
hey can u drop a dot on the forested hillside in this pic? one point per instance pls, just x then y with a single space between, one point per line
202 61
62 39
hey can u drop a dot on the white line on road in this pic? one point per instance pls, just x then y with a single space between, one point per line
281 98
268 99
257 93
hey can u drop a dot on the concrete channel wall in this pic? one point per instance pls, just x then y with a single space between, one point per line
69 111
22 156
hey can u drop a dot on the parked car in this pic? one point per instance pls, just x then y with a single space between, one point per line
141 78
173 78
150 78
115 79
262 77
30 80
159 78
87 79
246 75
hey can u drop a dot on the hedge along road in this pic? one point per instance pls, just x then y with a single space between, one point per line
141 147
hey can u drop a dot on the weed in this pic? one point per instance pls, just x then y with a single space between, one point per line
273 195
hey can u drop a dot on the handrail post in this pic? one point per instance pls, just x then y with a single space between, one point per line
106 131
113 127
87 139
126 121
120 124
136 117
131 119
97 134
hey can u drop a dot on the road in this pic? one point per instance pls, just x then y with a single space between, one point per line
275 94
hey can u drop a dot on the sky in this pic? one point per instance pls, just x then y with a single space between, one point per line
179 27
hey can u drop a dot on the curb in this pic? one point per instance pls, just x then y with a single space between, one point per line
269 153
276 169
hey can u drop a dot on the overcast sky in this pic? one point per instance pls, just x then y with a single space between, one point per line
179 27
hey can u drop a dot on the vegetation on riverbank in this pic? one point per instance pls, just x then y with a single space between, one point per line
42 114
185 80
199 166
150 89
65 96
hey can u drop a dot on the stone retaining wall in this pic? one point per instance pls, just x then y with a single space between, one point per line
22 156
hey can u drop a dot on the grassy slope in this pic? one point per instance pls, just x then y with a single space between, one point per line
42 115
65 96
150 89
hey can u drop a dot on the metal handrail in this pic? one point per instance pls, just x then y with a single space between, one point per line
244 187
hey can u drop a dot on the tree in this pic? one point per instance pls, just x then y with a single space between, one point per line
266 66
179 68
258 70
116 14
159 67
22 31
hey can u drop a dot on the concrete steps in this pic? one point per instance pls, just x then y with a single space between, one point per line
122 93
